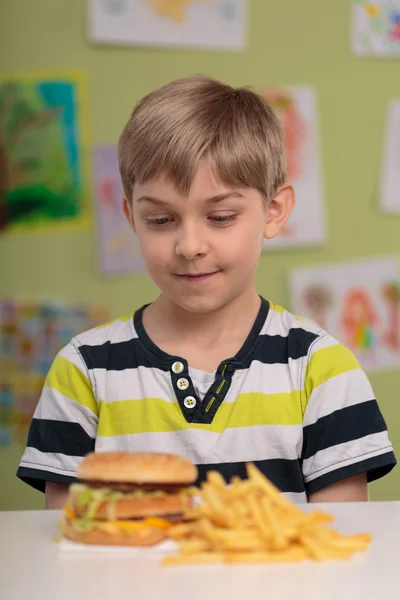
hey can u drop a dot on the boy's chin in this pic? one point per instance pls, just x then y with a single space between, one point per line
201 305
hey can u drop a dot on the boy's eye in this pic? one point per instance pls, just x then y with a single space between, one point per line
223 219
158 222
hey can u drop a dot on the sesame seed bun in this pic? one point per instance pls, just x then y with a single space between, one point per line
140 468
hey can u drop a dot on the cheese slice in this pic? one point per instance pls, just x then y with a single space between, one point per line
139 525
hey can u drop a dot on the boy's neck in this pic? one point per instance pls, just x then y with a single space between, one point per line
165 321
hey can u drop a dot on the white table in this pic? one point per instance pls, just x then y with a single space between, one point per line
32 567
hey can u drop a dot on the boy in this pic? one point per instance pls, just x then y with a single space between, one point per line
209 370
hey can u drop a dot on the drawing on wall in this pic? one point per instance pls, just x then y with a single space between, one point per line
213 24
31 334
297 108
119 250
390 175
376 28
43 174
356 302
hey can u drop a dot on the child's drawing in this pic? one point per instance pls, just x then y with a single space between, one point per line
43 181
358 320
209 24
318 299
391 296
297 109
376 27
390 177
119 250
356 302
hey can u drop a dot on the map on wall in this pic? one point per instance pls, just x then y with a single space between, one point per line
376 28
213 24
297 108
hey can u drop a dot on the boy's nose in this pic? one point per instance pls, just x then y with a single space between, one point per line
191 244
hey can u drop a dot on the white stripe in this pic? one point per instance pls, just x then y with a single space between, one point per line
342 455
56 407
148 382
50 461
115 332
281 324
133 384
346 389
71 354
242 444
266 378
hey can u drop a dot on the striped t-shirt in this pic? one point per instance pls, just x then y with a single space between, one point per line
293 400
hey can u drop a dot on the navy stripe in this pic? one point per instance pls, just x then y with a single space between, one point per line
59 437
267 349
285 474
37 478
120 356
344 425
277 349
375 467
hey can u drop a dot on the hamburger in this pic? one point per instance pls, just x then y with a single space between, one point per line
128 499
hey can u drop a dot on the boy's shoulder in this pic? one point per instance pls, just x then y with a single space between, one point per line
119 330
283 323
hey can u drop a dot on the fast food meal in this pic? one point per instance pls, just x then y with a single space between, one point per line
127 499
251 521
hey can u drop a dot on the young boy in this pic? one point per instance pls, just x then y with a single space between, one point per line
209 370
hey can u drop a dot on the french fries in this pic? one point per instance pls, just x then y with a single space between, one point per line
250 521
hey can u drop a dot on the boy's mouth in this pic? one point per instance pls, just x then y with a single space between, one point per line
196 277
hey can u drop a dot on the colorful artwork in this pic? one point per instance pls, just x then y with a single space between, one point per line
376 27
31 334
390 177
297 109
213 24
43 180
119 250
358 303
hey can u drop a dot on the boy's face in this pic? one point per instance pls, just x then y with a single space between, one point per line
202 249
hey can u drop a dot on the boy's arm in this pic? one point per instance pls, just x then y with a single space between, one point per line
345 439
63 428
351 489
55 495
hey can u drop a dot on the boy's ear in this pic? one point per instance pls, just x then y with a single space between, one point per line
279 210
128 212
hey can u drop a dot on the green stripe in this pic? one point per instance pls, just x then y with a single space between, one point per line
157 415
67 379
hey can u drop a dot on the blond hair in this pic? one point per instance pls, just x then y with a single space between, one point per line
174 127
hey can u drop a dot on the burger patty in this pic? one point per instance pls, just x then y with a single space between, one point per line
127 487
172 518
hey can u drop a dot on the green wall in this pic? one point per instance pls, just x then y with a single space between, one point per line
290 42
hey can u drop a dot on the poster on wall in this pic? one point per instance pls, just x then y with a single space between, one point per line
43 153
214 25
356 302
297 107
390 176
119 250
31 334
376 28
